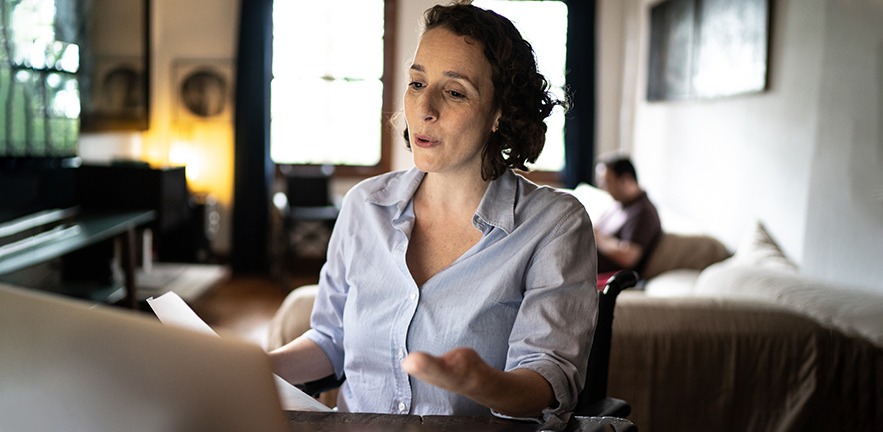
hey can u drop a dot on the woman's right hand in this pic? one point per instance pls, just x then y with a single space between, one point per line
300 361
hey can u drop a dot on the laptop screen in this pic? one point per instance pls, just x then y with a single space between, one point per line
69 365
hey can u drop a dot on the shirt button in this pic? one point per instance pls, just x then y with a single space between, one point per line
402 407
401 354
413 296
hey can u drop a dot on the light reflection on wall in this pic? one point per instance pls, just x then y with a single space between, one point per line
206 150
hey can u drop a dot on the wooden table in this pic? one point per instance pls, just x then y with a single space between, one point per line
303 421
84 230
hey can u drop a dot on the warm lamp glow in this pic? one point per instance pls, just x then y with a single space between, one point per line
155 151
183 154
205 150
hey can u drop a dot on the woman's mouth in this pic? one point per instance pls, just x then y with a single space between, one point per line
424 141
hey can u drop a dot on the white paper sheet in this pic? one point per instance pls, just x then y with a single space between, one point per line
171 309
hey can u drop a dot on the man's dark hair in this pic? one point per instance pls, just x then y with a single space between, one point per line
621 165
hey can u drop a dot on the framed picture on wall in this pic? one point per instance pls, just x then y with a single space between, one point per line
703 49
203 89
114 75
114 95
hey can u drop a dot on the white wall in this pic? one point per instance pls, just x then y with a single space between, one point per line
803 157
614 70
844 224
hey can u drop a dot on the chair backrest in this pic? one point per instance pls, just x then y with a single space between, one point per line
308 186
599 357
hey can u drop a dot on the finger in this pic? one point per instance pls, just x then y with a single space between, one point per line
419 364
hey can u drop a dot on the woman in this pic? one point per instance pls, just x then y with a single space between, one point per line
458 287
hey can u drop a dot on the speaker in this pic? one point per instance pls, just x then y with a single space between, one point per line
137 187
191 242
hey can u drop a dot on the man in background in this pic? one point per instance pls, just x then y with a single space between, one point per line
627 232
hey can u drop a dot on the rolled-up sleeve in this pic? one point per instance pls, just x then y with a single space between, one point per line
552 334
326 320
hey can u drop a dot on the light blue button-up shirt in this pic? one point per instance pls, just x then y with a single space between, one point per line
523 297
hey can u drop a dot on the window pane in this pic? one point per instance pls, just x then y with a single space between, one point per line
544 25
327 69
326 122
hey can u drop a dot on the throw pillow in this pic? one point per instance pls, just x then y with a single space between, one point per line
595 200
758 249
683 251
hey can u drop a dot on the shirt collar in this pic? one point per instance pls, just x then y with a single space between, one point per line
398 191
497 206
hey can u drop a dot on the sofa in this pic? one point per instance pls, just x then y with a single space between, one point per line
720 340
745 345
741 341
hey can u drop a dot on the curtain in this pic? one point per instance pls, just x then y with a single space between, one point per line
253 169
579 124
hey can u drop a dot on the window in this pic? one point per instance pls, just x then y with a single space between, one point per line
327 89
544 25
39 116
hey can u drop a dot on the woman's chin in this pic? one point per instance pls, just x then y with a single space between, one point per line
423 163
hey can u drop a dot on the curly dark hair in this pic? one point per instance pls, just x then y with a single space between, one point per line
520 91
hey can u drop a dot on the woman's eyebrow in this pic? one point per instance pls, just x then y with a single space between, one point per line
449 74
459 76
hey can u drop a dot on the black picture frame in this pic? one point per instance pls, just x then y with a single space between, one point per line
702 49
114 77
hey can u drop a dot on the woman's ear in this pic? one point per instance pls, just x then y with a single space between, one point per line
497 121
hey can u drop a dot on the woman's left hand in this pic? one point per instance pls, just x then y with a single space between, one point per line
517 393
455 370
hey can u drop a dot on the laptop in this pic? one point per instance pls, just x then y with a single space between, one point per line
68 365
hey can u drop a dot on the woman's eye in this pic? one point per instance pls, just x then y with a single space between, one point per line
456 95
415 85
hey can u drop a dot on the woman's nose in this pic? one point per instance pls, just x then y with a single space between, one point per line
428 106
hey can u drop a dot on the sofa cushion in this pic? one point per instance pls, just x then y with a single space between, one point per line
673 283
853 311
683 251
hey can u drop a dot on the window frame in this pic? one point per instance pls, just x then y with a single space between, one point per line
386 109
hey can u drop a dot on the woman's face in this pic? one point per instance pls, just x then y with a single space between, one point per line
449 103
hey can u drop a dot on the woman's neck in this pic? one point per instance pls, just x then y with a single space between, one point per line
451 194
